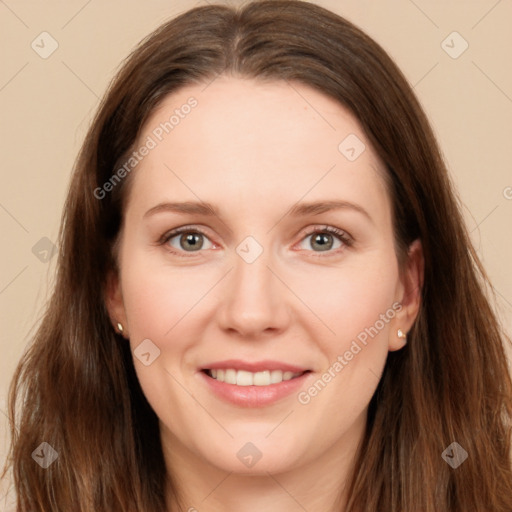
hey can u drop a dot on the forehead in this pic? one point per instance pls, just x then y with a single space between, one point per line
249 140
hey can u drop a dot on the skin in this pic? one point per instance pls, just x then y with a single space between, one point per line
254 150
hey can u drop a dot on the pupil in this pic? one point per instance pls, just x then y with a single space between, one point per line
192 239
324 241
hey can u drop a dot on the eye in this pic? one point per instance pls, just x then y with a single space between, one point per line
325 239
186 239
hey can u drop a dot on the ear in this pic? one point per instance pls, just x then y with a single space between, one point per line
115 304
409 295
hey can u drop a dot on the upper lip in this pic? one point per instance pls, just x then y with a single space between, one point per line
255 366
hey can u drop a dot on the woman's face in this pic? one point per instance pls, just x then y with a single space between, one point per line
252 287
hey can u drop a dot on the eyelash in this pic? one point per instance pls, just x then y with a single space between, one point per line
341 235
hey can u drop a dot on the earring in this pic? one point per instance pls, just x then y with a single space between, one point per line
120 326
401 334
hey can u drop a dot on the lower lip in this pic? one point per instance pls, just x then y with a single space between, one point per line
254 396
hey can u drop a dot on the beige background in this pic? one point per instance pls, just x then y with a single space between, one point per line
46 105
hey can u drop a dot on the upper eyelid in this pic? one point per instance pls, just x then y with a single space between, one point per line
168 235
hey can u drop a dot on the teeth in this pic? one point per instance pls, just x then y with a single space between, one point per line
244 378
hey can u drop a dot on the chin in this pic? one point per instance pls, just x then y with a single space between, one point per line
254 457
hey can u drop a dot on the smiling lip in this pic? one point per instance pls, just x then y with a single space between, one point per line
258 366
254 396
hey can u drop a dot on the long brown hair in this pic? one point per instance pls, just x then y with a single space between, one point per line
76 388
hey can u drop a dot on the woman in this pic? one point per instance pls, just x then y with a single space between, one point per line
266 296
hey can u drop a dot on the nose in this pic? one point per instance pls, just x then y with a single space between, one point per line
255 302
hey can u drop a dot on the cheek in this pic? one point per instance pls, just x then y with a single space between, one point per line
157 297
162 304
358 306
349 298
355 306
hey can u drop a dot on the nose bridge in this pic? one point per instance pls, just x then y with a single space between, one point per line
253 275
254 300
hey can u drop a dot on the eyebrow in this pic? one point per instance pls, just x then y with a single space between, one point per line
298 210
188 207
318 207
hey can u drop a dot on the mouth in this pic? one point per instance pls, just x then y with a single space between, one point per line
253 384
247 378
